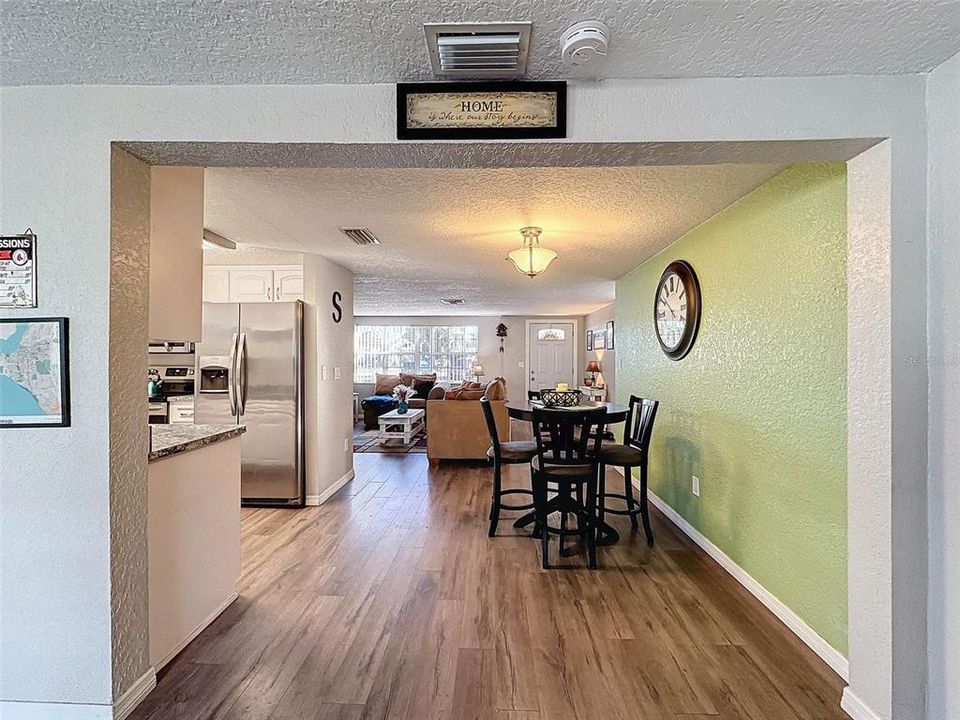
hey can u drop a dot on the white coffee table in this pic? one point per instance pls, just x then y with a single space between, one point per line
406 427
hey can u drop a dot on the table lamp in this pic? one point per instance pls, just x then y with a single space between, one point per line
478 371
593 367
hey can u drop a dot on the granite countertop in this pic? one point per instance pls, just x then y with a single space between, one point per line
167 440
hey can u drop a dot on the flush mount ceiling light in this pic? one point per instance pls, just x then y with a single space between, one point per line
530 258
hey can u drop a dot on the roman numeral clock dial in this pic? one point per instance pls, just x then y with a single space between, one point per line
676 310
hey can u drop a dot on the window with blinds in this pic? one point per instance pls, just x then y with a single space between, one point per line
448 350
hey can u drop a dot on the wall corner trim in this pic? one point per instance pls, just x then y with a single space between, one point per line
855 707
314 500
830 655
134 695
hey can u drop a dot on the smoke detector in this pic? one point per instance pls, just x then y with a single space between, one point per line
478 50
585 45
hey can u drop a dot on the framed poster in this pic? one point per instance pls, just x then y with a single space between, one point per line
599 339
481 110
610 334
34 373
18 270
589 340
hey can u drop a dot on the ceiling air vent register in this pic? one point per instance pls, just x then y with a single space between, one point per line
478 50
452 301
361 236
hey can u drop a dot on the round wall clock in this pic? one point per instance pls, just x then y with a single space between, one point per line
676 309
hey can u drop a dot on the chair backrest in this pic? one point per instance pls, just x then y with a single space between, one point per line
491 425
568 437
639 427
533 395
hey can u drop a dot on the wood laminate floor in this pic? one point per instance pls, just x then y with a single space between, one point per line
390 602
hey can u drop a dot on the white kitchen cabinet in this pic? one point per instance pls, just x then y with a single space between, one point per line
251 285
247 283
216 284
288 284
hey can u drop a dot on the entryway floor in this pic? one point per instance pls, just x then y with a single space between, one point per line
390 602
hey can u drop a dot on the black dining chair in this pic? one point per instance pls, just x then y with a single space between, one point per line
632 453
513 452
567 458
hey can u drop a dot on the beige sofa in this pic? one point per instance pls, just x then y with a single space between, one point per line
456 429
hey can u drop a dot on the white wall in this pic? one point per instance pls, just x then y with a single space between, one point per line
329 402
597 320
943 363
54 177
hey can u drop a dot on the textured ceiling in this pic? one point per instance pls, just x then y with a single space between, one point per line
445 232
331 41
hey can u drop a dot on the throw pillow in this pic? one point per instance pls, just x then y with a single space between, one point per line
438 392
469 395
385 384
423 387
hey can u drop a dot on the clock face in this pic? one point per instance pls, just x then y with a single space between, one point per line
676 309
671 310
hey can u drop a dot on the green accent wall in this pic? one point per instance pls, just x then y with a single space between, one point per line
758 408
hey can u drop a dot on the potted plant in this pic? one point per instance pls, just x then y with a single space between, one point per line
403 393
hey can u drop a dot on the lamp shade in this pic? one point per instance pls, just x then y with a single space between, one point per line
593 366
531 259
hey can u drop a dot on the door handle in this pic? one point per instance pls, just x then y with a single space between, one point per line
242 373
268 293
232 377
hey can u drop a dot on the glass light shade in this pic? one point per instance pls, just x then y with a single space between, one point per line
531 259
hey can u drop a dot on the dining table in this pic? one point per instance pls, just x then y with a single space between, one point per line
616 413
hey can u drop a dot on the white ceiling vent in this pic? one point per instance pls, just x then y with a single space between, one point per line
361 236
478 50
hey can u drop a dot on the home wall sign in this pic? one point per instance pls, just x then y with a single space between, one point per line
337 313
481 110
18 270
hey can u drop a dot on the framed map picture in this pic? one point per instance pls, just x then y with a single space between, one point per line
34 373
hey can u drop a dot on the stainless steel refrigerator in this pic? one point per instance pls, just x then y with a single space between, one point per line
250 372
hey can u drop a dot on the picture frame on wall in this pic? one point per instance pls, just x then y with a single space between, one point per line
610 334
34 372
600 340
589 340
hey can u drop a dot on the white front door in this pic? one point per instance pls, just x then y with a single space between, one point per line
552 355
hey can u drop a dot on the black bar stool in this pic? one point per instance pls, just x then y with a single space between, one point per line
632 453
567 456
514 452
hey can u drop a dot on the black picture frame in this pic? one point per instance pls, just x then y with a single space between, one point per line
532 133
610 334
63 327
589 340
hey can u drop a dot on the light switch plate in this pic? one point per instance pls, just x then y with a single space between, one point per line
323 372
336 373
695 485
520 364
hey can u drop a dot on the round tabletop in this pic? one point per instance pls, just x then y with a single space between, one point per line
523 410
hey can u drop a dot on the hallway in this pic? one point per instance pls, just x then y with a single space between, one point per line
390 602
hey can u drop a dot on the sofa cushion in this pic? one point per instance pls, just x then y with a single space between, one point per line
410 379
436 393
469 394
385 384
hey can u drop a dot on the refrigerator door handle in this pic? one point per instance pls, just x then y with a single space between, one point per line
232 379
242 373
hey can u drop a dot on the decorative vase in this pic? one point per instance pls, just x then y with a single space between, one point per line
402 407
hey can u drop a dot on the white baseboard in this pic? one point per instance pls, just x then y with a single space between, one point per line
830 655
313 500
125 704
134 695
855 707
196 631
17 710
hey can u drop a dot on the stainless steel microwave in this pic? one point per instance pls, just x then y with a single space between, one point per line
167 346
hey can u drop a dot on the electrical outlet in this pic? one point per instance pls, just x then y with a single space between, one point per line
520 364
336 373
323 372
695 485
